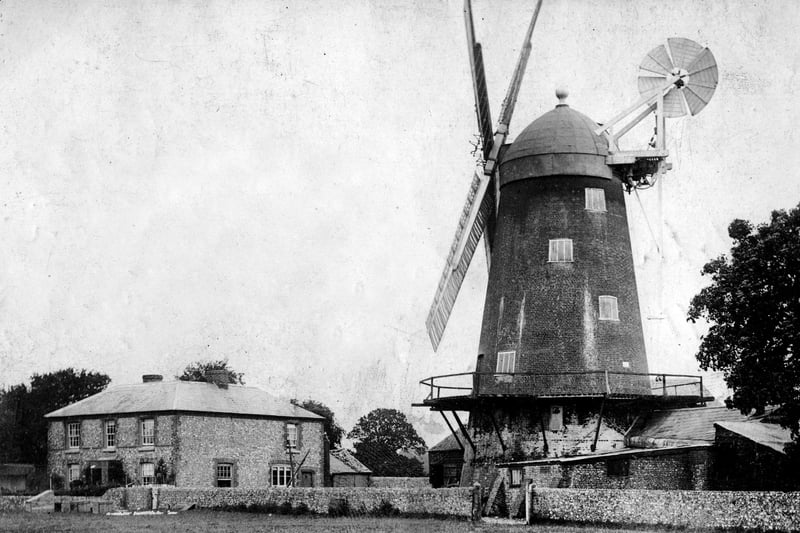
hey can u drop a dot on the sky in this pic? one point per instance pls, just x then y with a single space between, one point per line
278 184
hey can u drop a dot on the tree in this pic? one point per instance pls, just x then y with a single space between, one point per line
26 407
333 431
196 371
388 427
753 306
381 433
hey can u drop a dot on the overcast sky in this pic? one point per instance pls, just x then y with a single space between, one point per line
278 183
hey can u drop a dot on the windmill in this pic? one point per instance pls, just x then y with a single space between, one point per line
561 359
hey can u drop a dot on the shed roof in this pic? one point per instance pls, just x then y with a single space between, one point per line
676 427
188 396
770 435
343 462
447 444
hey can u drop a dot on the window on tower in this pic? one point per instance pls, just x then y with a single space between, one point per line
595 199
560 251
608 308
506 362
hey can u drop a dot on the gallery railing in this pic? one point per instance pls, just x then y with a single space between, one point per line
583 383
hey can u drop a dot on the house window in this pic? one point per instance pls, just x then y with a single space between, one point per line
281 475
555 421
224 474
111 433
148 432
506 361
595 199
516 477
74 434
560 251
608 308
73 472
148 473
291 435
618 467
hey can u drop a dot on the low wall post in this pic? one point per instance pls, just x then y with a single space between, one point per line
476 502
529 502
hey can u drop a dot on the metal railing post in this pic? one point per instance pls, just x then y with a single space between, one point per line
663 384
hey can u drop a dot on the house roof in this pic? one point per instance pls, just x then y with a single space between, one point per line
189 396
343 462
447 444
770 435
681 427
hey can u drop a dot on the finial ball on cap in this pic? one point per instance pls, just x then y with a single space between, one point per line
561 94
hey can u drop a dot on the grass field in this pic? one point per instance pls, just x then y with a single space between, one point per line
256 523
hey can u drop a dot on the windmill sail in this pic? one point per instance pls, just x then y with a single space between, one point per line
476 212
482 109
480 206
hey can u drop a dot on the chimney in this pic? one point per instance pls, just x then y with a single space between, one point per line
152 378
217 377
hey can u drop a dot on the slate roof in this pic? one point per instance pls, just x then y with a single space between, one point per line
681 427
770 435
447 444
343 462
184 396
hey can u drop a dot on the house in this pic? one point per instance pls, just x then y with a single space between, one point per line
14 477
190 434
446 458
347 471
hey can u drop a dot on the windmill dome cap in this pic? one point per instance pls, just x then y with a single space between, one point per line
562 142
560 131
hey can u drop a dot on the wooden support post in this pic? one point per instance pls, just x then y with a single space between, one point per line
453 431
464 431
497 431
544 434
599 422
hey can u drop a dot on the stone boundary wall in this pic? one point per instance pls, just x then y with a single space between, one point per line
12 503
672 508
401 482
456 502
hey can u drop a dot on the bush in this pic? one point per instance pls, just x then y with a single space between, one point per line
386 508
301 509
285 508
339 507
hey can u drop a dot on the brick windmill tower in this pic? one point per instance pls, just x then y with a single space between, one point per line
561 366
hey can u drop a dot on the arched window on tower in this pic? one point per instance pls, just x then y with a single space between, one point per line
560 251
608 308
595 199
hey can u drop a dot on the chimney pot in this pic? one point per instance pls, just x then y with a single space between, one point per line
217 377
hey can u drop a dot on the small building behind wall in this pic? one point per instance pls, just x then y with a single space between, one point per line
750 456
446 459
347 471
14 477
190 434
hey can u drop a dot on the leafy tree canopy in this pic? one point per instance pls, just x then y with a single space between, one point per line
333 431
22 409
388 427
753 307
385 461
196 371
